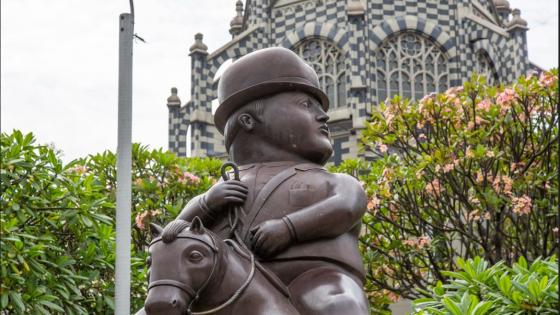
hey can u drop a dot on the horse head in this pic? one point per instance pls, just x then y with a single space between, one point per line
184 259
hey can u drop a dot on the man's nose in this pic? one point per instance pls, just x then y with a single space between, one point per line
322 116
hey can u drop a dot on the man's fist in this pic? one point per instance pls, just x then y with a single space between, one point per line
270 238
224 193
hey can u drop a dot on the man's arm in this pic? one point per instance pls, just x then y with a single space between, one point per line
197 207
333 216
209 205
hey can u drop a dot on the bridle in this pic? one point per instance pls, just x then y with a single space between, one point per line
195 294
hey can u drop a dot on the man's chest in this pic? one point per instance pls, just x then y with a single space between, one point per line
290 193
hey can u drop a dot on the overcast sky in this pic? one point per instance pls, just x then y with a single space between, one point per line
59 64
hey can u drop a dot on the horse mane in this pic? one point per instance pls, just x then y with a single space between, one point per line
173 229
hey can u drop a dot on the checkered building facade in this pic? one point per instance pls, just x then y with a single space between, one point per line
459 29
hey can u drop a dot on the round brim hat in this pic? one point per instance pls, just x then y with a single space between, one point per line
264 73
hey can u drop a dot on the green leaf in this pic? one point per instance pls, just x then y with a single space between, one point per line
482 308
52 306
4 300
17 301
452 306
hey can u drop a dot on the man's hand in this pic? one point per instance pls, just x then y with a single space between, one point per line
224 193
270 238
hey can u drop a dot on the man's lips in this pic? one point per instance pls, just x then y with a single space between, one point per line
324 129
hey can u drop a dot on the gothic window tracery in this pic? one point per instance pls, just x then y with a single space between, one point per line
485 67
328 61
411 65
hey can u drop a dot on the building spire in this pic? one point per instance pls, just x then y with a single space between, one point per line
517 21
198 45
236 24
173 100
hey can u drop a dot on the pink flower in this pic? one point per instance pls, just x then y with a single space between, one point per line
484 105
453 91
418 242
143 216
382 148
78 169
421 136
426 99
373 203
474 200
547 79
479 120
187 177
140 217
393 297
448 167
479 177
469 153
505 99
473 215
522 205
138 181
433 188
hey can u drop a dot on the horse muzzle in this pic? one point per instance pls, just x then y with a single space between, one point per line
166 300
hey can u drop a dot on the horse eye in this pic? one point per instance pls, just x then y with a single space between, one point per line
195 256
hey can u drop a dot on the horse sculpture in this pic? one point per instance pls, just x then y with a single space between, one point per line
192 271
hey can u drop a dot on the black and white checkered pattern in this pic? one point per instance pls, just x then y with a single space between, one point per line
460 28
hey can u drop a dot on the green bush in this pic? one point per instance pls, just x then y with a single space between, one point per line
57 244
57 223
477 289
469 172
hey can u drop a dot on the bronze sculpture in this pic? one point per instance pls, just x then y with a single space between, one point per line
300 221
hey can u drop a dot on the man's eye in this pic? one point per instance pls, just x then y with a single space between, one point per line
306 104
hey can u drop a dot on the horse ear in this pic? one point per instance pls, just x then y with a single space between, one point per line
156 230
196 225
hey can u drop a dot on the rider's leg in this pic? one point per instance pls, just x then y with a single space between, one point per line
328 291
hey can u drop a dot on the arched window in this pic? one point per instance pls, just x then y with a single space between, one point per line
411 65
485 67
328 62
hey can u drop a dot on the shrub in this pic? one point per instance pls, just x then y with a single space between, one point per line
57 223
477 289
472 171
57 244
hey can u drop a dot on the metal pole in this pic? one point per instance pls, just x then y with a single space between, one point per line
124 165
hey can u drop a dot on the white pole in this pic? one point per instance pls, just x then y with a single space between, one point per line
124 164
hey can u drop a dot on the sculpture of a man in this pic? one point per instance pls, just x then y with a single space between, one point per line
301 221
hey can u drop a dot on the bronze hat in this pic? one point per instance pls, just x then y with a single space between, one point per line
262 73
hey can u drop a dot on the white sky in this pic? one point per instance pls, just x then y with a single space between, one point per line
59 64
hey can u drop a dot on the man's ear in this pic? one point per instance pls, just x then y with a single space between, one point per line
246 121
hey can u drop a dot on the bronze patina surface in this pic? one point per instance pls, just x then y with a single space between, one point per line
299 221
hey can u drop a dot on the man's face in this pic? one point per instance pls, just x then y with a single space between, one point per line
296 122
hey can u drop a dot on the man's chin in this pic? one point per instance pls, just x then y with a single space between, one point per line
322 157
